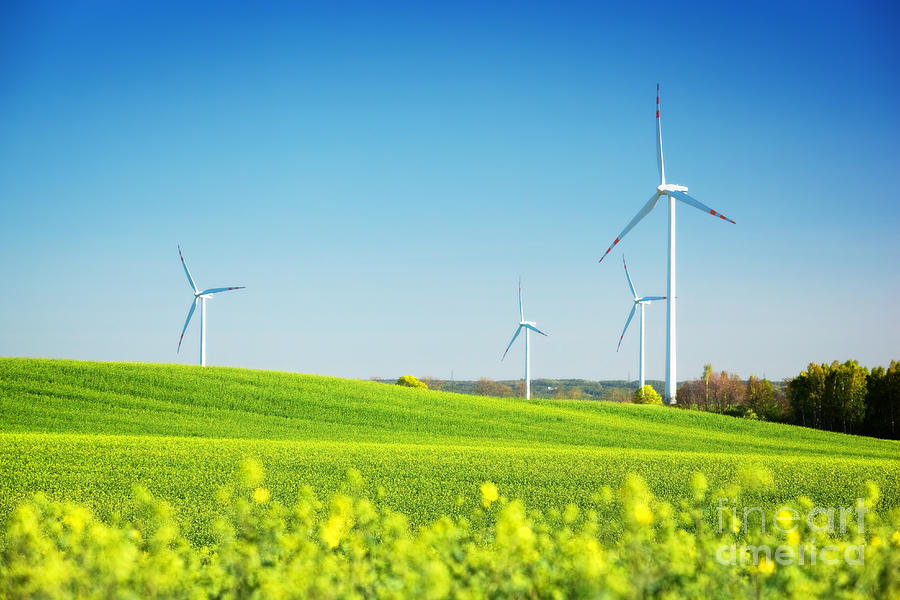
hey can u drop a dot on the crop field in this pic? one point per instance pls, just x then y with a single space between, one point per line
88 432
137 480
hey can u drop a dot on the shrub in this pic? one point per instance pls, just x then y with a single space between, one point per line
646 395
412 381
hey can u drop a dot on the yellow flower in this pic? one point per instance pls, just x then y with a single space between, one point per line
261 495
333 531
875 541
793 538
76 518
766 566
786 519
251 472
489 494
643 514
699 486
896 537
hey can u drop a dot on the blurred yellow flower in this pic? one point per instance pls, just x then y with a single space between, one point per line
333 531
76 518
643 514
251 472
786 519
489 494
261 495
766 566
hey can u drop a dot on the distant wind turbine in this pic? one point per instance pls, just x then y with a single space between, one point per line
637 302
528 326
200 298
672 192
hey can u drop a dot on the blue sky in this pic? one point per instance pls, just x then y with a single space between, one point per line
379 175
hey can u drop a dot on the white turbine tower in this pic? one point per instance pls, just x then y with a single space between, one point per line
528 326
672 192
200 297
637 302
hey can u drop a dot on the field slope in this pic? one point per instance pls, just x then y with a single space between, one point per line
89 431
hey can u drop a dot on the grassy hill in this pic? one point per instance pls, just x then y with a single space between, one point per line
89 431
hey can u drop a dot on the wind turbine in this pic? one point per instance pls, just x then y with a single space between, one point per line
528 326
672 192
200 297
637 302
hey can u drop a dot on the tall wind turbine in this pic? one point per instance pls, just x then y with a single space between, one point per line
637 302
200 297
528 326
672 192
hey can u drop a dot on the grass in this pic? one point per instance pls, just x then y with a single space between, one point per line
88 432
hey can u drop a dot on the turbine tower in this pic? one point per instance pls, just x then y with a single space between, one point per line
200 297
637 302
528 326
672 192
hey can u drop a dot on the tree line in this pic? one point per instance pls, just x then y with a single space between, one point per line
844 397
729 394
847 397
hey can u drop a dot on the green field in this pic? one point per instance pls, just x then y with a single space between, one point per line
88 432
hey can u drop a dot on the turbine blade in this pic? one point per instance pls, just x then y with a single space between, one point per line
627 276
226 289
535 329
660 165
627 323
515 335
521 308
186 272
188 320
697 204
649 298
641 214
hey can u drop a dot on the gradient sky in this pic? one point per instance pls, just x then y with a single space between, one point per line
379 175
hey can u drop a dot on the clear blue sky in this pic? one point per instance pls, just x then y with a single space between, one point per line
379 175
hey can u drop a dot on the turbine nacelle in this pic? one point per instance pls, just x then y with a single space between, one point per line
671 187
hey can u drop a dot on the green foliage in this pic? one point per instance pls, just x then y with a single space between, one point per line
760 399
412 381
646 395
348 547
843 397
883 402
846 397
